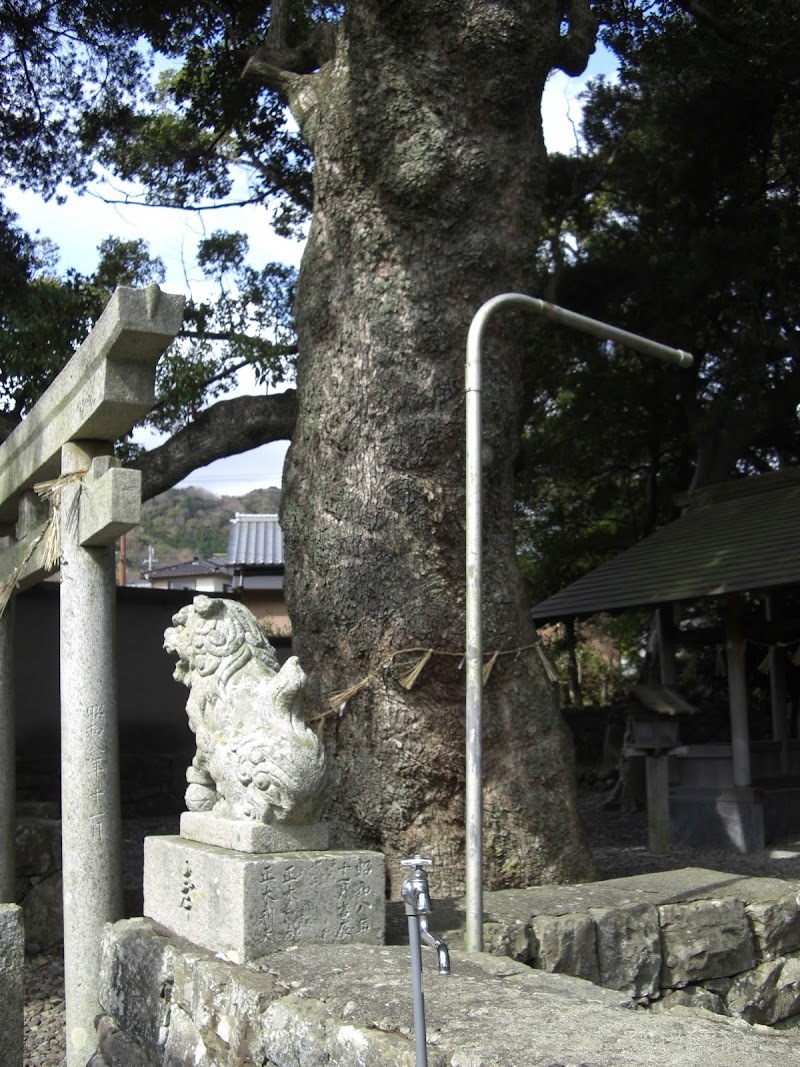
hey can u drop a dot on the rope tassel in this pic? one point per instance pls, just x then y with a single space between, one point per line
51 492
6 590
488 667
409 680
547 663
338 700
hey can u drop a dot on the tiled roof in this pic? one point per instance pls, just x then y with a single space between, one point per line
194 568
255 539
736 537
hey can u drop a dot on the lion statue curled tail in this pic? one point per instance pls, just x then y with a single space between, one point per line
256 757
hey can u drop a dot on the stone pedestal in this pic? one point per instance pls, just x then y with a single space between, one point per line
248 836
243 905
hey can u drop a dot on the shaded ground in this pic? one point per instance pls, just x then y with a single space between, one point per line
619 846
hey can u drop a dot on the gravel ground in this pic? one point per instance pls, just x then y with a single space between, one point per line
44 1011
44 972
619 844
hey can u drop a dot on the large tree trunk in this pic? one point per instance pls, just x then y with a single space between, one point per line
429 165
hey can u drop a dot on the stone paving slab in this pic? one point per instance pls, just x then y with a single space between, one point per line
351 1005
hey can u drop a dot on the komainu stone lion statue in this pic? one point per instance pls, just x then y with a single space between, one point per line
256 759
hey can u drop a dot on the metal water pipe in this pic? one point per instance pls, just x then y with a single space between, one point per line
417 899
474 638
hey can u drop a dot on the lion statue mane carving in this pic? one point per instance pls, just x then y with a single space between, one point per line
256 758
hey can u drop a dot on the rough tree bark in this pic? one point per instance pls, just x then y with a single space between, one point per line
429 167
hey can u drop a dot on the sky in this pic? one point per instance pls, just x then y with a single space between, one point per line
79 226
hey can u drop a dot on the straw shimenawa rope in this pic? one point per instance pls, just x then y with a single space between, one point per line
337 701
49 491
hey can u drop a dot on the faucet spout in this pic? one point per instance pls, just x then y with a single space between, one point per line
442 951
417 899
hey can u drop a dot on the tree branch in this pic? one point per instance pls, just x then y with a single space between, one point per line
724 30
276 54
293 71
278 32
577 44
130 201
225 429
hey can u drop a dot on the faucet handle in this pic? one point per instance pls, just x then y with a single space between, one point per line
418 861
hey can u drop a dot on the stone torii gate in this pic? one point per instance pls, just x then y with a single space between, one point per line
72 521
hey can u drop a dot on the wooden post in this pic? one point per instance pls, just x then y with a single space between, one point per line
737 690
657 780
573 672
665 622
777 687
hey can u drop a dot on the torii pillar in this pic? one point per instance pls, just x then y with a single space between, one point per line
105 389
91 826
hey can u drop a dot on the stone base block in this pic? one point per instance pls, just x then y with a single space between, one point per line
244 905
781 810
247 836
717 818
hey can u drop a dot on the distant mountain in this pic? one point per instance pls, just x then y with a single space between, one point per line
183 523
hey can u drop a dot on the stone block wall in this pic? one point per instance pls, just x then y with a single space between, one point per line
39 883
12 955
168 1003
693 938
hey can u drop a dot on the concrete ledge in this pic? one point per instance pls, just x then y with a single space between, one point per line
167 1001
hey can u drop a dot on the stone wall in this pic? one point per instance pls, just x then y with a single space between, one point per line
152 705
693 937
167 1003
39 882
12 954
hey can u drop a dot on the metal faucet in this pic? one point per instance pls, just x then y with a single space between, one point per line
417 899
